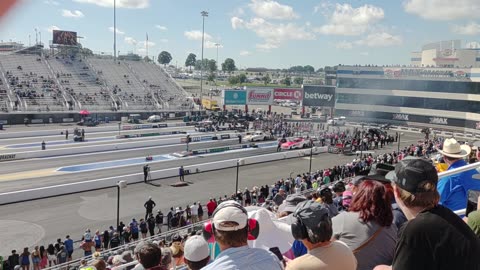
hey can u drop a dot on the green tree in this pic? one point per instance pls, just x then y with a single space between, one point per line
86 52
212 66
211 77
242 78
287 81
233 80
298 80
198 64
191 61
266 79
229 65
319 70
308 69
164 58
147 59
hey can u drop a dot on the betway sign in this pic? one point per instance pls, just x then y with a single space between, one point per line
259 96
287 94
318 96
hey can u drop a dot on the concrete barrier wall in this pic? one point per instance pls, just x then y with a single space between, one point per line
95 148
21 134
63 189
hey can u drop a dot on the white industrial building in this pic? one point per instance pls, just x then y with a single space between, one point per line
446 54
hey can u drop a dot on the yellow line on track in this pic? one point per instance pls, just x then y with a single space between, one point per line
27 175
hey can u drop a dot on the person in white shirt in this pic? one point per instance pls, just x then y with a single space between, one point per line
194 212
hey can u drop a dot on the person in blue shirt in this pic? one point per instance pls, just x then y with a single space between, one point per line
453 189
69 246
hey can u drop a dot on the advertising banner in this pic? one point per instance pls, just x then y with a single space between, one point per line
65 38
288 94
259 96
319 96
235 97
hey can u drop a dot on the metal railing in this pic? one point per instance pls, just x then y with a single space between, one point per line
189 228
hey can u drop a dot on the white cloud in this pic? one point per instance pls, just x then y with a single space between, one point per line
269 9
364 53
344 45
161 27
473 45
76 14
53 27
150 43
380 39
469 29
119 32
119 3
51 2
130 41
245 53
349 21
212 45
196 35
272 34
443 10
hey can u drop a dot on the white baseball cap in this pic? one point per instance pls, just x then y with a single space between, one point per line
196 249
230 211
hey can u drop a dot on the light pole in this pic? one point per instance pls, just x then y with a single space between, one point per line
204 14
236 181
119 127
120 185
114 30
398 146
216 79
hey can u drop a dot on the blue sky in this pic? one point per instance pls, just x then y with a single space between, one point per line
255 33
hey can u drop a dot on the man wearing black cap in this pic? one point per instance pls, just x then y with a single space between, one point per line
434 237
313 227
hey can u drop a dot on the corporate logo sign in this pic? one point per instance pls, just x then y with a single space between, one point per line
235 97
439 120
319 96
400 116
259 96
288 94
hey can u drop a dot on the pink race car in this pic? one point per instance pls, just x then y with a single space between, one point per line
295 143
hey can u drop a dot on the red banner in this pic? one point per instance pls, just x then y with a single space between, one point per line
288 94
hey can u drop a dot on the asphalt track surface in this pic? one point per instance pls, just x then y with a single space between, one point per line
42 221
28 143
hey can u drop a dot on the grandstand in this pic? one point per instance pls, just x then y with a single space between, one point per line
80 84
31 81
34 83
123 84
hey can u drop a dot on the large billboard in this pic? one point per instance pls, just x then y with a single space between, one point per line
65 38
259 96
235 97
288 94
319 96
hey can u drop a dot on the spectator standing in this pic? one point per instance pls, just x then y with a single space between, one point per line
326 197
62 255
279 197
181 173
149 205
25 259
434 237
68 243
313 227
14 259
453 189
194 212
200 212
169 218
196 253
115 241
106 239
151 225
211 205
97 238
52 256
231 230
43 257
159 221
143 228
134 229
367 227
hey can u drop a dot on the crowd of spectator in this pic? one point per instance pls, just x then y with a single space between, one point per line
350 218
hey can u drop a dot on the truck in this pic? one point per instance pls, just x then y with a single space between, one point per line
210 104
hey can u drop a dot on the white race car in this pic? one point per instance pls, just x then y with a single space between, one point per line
258 136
